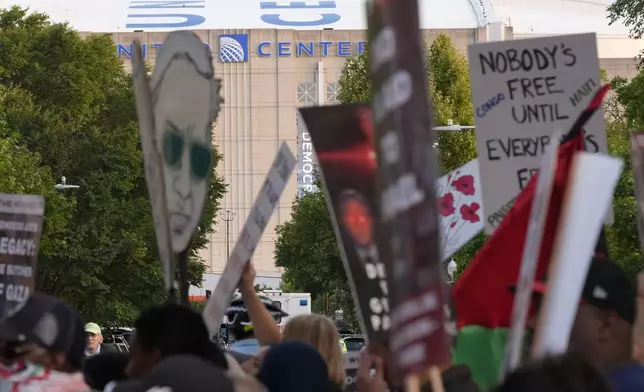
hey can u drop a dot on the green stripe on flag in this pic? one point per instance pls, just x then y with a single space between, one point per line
482 350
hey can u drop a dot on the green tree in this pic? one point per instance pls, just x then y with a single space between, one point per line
68 100
623 115
22 171
630 13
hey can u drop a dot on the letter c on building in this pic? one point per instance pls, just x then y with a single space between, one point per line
260 49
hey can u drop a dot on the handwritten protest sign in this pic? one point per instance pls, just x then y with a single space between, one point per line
21 219
522 92
265 204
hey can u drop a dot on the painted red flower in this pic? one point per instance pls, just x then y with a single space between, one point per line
470 212
446 204
465 184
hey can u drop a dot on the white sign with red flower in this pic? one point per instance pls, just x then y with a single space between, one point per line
460 206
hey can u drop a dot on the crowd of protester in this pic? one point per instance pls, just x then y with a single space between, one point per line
46 347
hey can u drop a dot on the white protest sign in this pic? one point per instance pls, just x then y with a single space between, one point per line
265 203
522 91
593 178
530 258
460 207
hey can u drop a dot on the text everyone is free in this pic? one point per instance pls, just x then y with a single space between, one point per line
528 60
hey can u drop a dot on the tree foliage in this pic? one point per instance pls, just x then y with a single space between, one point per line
67 109
306 246
625 111
631 13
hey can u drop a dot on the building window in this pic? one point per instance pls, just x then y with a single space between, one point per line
307 94
332 90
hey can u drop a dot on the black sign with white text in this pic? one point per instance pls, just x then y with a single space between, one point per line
21 218
406 181
342 136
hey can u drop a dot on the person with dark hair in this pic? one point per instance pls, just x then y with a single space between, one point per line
568 373
43 346
602 332
170 329
293 366
103 368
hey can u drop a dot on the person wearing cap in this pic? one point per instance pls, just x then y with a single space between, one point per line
94 340
603 328
46 342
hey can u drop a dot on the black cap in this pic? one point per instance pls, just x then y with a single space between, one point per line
50 323
181 373
606 287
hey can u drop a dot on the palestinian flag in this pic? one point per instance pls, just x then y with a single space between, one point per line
481 297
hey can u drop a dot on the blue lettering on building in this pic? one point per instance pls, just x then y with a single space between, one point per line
311 48
159 11
320 14
126 50
278 49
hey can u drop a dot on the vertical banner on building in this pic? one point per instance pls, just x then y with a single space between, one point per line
343 137
306 160
522 92
407 188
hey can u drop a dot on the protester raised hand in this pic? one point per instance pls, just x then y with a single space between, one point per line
368 381
247 282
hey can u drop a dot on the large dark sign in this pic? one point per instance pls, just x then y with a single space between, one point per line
20 228
406 179
343 140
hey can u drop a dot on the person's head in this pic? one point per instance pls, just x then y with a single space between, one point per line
47 332
180 373
238 320
320 332
170 329
602 329
104 368
568 373
94 336
292 366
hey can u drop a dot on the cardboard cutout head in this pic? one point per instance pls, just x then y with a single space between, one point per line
186 102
